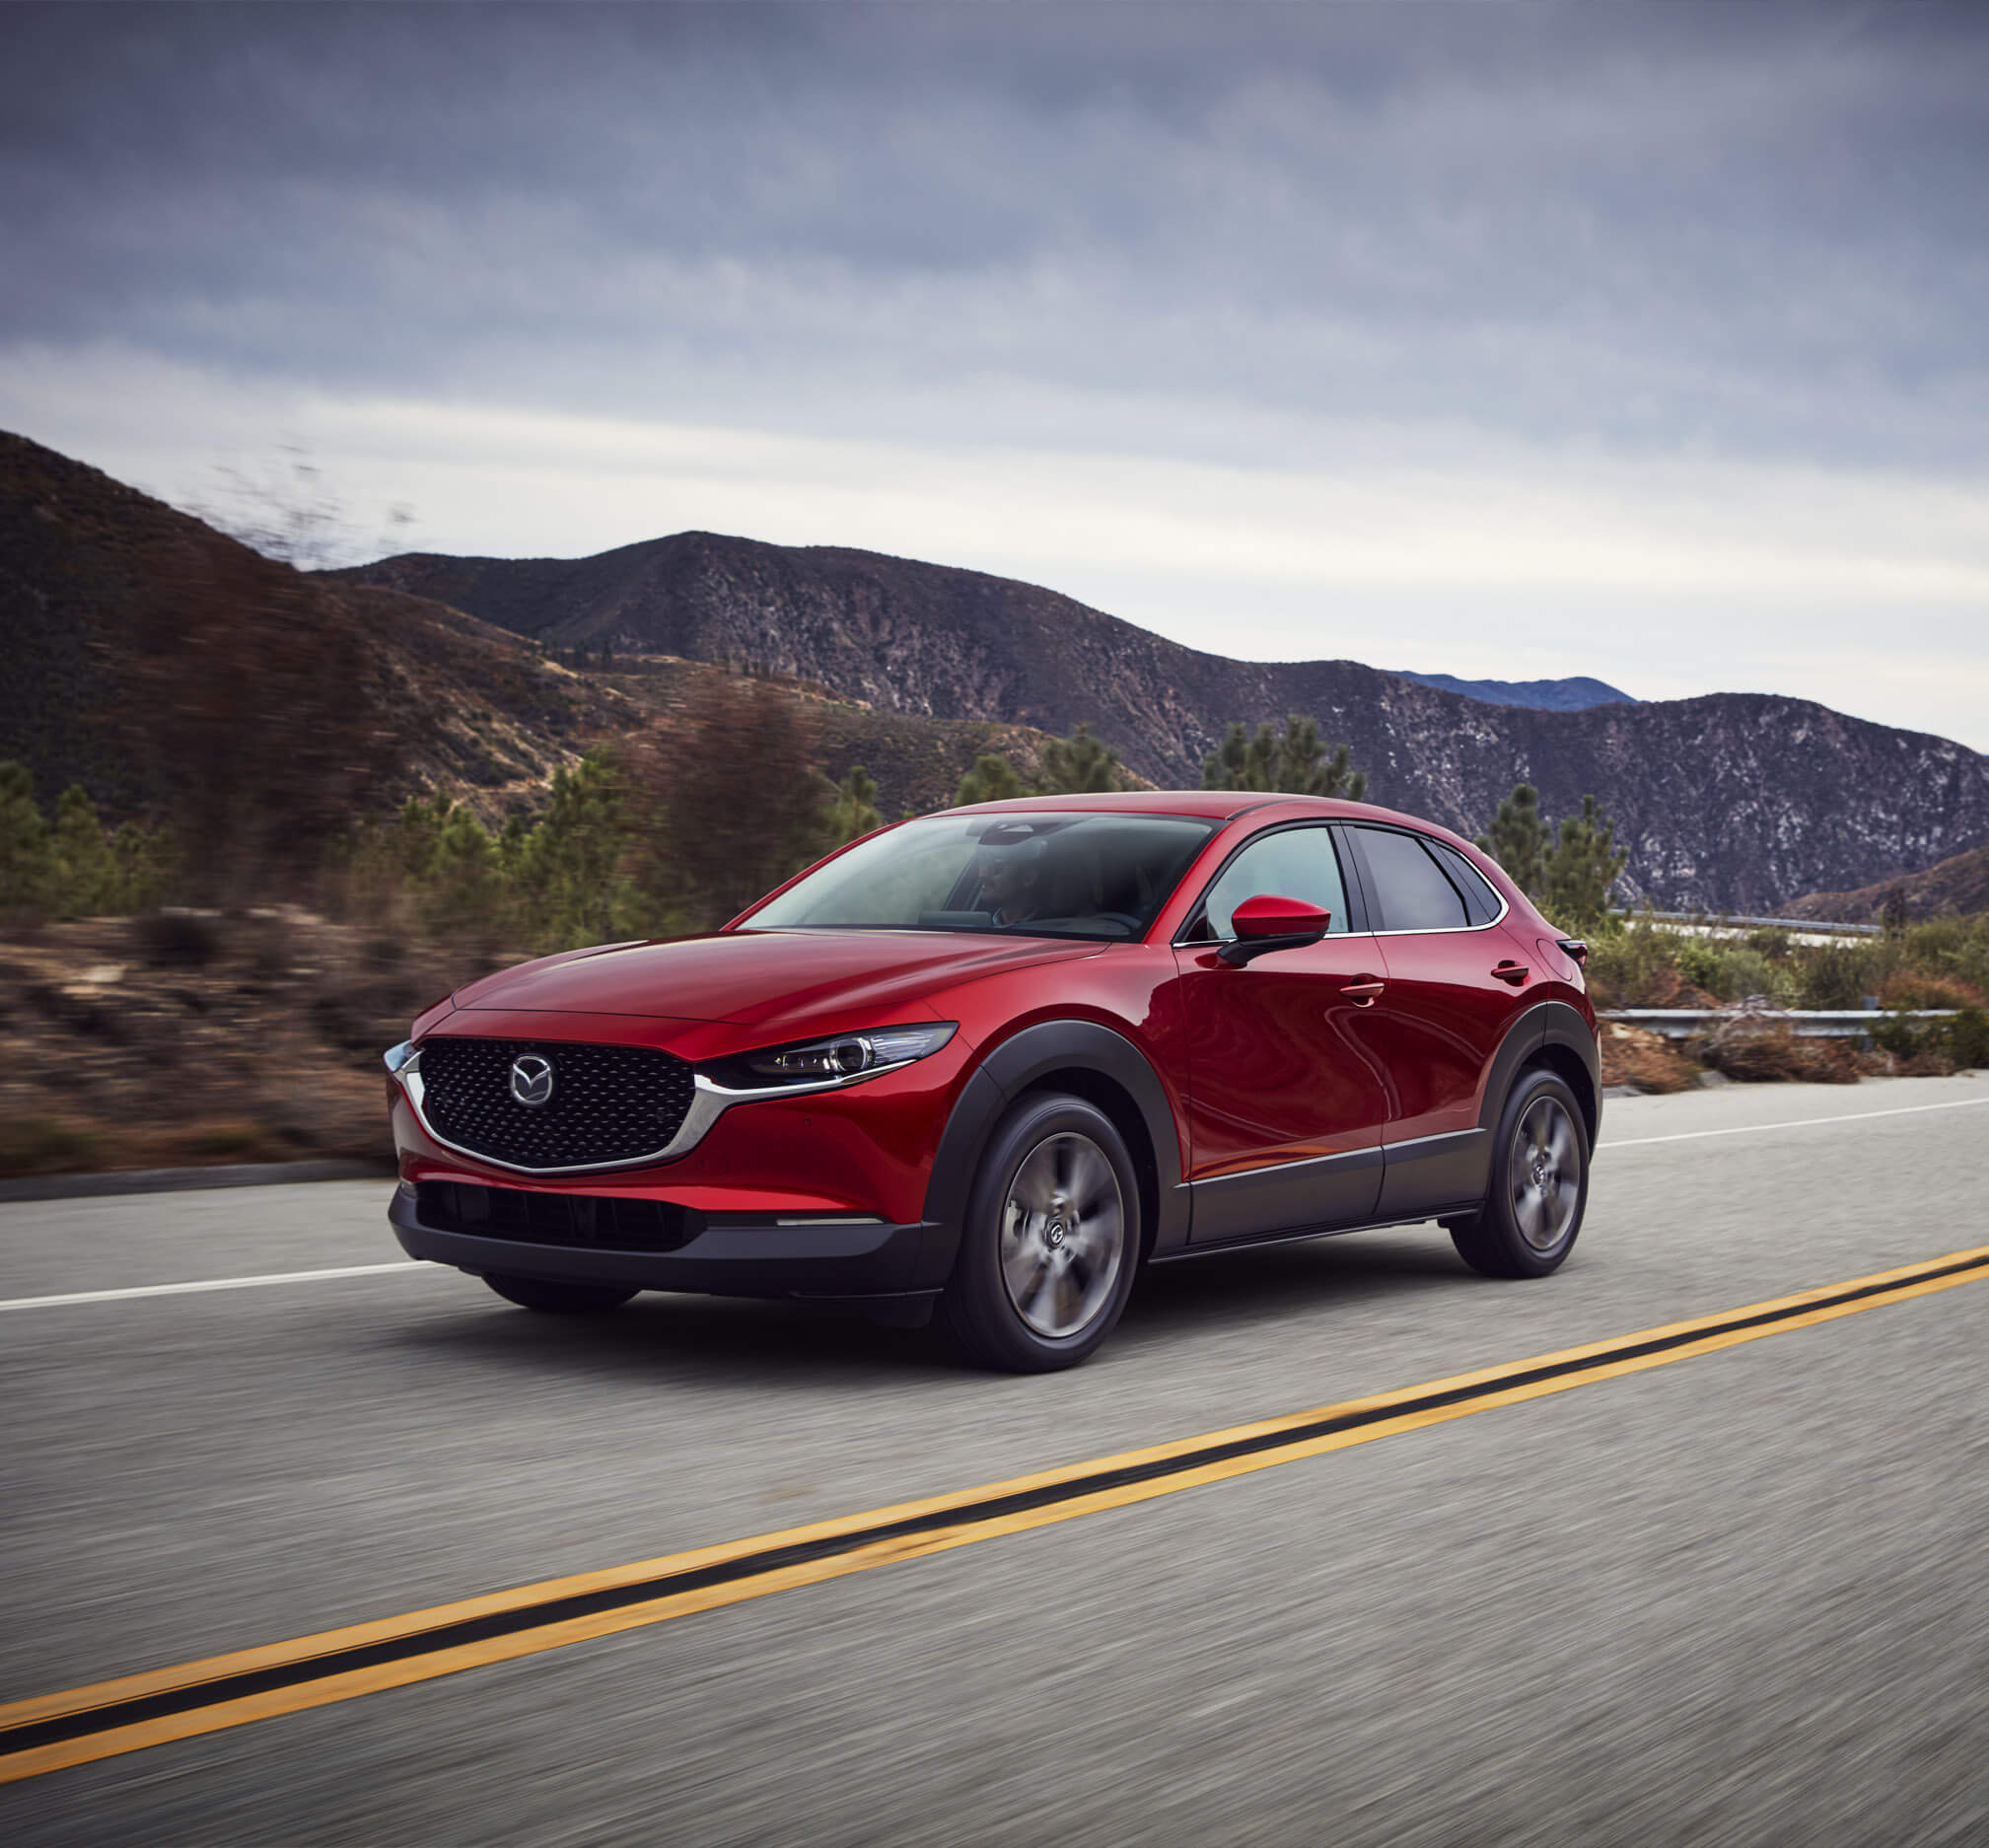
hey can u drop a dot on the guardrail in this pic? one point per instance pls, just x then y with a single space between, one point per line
1727 920
1804 1023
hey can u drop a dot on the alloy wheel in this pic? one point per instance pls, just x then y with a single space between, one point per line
1545 1173
1062 1235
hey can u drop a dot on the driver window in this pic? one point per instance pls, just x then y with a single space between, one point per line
1292 863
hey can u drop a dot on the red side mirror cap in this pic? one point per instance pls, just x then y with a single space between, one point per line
1266 922
1267 915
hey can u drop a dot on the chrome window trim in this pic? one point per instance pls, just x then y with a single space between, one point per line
708 1102
1433 930
1462 929
1331 821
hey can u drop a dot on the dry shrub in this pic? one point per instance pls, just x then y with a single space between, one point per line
730 803
1772 1054
1906 989
1930 1062
264 699
1632 1055
176 939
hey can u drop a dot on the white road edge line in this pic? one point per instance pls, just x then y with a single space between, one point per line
1799 1122
211 1283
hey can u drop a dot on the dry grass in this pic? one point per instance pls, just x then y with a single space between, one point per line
1772 1054
1632 1055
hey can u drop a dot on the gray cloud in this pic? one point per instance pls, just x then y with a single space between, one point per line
1740 231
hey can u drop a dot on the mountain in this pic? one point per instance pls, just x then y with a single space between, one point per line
1576 694
1728 802
146 652
1959 883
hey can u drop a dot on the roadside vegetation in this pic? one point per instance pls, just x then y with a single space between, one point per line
1570 871
215 983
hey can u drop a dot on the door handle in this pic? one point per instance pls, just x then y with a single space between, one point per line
1361 993
1514 973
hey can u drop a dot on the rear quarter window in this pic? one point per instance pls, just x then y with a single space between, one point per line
1411 890
1480 900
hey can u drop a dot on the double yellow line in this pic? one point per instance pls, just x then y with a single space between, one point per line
54 1730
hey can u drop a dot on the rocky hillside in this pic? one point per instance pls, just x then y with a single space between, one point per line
1727 802
144 650
1959 883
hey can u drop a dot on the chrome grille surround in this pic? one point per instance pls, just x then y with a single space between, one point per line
611 1106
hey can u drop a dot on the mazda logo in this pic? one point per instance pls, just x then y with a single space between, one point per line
530 1078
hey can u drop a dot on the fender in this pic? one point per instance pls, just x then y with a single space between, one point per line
1010 1068
1549 1023
1434 1175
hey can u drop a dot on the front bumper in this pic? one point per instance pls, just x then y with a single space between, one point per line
872 1263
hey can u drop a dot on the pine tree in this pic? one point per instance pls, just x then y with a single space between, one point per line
1585 864
855 812
1517 839
145 865
568 867
992 779
83 871
1078 766
1289 762
463 882
23 844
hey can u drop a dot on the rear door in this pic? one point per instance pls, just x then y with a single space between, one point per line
1286 1103
1454 986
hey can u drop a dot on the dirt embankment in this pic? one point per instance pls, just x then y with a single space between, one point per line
192 1039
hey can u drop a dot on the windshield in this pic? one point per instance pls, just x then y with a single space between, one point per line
1041 874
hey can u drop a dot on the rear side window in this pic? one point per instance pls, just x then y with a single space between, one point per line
1480 900
1409 889
1292 863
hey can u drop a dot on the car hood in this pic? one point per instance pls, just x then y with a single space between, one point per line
754 977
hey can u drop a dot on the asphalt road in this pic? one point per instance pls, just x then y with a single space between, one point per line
1736 1598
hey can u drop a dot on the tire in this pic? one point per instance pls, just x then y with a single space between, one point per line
1539 1185
552 1297
1051 1242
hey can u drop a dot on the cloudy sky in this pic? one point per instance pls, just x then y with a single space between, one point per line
1501 339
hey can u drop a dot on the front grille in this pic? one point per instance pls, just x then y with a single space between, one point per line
593 1222
608 1104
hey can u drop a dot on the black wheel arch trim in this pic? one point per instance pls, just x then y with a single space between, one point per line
1017 1063
1547 1023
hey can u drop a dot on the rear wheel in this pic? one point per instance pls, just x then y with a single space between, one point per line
553 1297
1051 1237
1540 1185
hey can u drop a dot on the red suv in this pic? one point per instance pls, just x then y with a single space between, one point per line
991 1061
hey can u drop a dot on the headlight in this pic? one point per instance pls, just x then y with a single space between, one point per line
399 1058
833 1061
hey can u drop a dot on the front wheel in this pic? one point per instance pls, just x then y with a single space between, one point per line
552 1297
1539 1185
1051 1237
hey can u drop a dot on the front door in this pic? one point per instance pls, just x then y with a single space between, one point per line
1286 1099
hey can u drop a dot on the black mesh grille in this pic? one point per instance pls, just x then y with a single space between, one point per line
594 1222
608 1104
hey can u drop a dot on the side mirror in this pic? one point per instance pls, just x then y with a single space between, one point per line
1266 922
